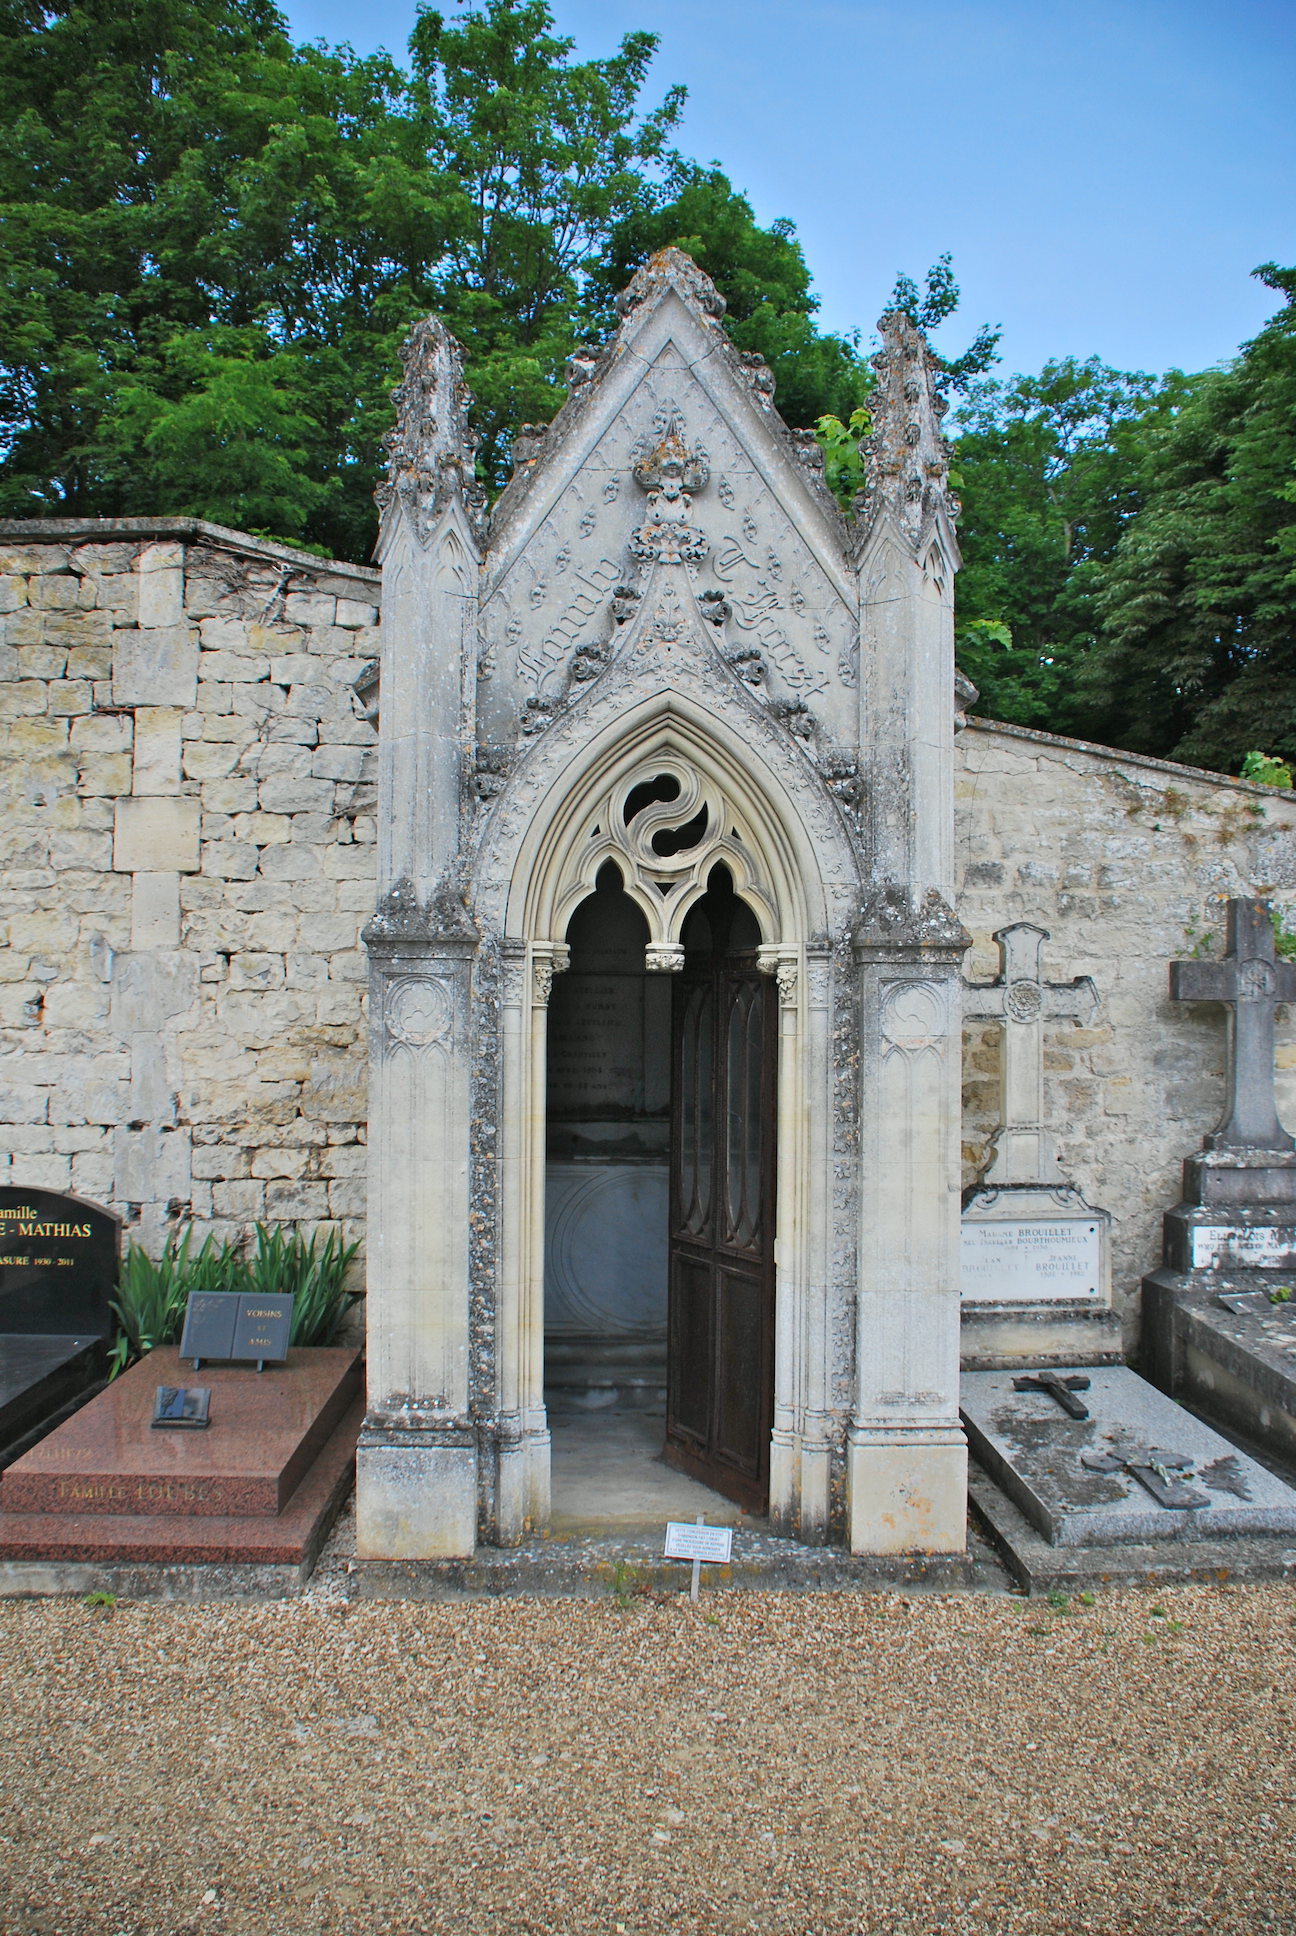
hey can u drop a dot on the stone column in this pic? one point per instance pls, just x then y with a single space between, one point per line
522 1493
801 1447
906 1457
417 1464
906 1454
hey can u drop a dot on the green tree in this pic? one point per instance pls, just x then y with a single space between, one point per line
761 273
213 243
1047 471
929 307
1195 655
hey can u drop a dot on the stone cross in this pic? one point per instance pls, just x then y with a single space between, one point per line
1249 982
1023 1151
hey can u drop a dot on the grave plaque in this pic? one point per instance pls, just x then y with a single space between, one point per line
596 1029
210 1318
182 1407
58 1264
229 1324
1021 1262
263 1329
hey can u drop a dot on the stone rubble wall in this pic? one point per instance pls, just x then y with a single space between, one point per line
1127 863
188 841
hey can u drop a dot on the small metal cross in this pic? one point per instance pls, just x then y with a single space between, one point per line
1249 982
1023 1151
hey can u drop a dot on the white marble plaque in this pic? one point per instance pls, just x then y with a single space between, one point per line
1031 1263
1264 1246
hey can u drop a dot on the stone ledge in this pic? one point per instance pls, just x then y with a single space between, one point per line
108 530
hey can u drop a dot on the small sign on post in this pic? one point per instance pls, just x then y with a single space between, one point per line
703 1544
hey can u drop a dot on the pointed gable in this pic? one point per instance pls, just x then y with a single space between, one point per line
770 543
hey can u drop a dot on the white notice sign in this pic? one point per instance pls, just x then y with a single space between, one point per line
711 1543
1031 1263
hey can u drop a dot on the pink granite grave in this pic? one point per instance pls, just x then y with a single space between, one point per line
255 1485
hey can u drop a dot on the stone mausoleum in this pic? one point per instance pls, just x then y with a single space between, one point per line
584 908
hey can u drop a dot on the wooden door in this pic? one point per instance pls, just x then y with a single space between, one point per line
720 1372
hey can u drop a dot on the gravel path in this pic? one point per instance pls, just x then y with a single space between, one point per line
836 1764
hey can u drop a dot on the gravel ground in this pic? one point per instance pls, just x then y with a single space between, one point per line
828 1763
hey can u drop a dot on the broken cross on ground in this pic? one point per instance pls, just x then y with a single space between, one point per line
1249 982
1063 1389
1023 1003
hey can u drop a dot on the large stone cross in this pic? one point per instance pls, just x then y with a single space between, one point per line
1249 982
1023 1151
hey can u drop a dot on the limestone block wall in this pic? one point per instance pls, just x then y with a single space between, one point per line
1127 862
187 832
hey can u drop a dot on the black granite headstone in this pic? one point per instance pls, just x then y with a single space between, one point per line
58 1263
58 1268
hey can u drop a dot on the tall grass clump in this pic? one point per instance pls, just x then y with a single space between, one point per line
152 1294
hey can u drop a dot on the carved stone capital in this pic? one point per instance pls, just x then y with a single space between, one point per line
441 924
664 958
895 921
783 964
549 958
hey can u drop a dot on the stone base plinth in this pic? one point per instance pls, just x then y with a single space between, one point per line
1236 1364
416 1495
994 1336
906 1494
1071 1479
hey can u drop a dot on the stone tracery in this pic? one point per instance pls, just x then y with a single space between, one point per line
664 826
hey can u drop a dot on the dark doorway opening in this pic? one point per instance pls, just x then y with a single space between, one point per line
607 1164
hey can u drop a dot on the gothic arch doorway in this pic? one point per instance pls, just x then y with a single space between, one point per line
662 806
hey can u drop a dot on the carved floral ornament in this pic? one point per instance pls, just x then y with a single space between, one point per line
670 473
664 825
419 1012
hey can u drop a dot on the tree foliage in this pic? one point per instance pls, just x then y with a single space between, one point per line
762 274
1196 607
1046 473
213 243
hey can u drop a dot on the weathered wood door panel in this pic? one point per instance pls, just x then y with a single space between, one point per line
720 1368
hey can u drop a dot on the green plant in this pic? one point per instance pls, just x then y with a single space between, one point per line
151 1296
626 1583
285 1264
843 460
1059 1601
1281 1294
1264 769
100 1599
1284 937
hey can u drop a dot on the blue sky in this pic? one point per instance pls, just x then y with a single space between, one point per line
1106 174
